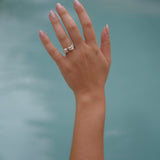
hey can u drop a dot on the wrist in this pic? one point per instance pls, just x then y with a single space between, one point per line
92 100
81 97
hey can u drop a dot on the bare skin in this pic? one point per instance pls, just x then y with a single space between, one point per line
85 69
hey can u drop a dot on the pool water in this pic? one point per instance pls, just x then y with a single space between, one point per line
37 108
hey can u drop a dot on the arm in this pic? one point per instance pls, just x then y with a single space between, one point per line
85 69
89 127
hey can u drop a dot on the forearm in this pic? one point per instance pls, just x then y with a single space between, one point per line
88 132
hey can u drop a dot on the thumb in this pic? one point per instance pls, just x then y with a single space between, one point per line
105 43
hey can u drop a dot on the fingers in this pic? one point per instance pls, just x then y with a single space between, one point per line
51 49
59 30
86 23
105 43
70 25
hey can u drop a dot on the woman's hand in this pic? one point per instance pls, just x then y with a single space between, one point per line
85 68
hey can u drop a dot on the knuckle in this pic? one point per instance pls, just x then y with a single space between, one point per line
85 54
72 27
46 42
87 24
95 50
63 12
81 10
56 22
48 46
62 38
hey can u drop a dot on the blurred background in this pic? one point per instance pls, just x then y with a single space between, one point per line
37 108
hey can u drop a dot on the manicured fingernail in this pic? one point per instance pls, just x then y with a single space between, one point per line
107 28
41 33
52 14
59 6
77 3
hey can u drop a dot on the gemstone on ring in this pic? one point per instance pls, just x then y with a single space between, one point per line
70 48
65 50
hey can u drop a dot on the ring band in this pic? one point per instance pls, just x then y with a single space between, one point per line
70 48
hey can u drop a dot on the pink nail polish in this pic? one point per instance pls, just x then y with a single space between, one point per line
77 3
41 33
107 28
52 14
59 6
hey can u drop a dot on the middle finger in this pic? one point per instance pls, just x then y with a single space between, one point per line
59 30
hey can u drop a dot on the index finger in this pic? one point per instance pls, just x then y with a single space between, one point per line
88 30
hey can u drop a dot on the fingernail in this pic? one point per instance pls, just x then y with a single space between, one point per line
77 2
59 6
41 33
52 14
107 28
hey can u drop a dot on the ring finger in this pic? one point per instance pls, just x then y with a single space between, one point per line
70 25
59 30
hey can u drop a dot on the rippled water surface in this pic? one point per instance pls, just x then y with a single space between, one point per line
37 107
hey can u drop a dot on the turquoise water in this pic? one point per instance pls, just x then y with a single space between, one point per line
37 107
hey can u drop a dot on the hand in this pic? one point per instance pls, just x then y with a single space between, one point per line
85 69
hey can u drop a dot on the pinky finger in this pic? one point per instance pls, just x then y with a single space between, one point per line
51 49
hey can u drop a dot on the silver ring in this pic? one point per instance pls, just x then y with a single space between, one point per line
70 48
